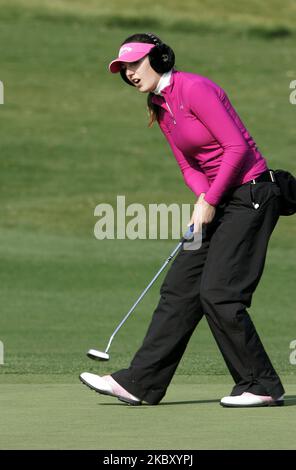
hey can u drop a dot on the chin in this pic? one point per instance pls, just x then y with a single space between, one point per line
146 89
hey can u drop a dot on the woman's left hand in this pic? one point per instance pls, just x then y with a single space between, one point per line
203 213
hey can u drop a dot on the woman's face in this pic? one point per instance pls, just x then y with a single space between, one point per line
141 74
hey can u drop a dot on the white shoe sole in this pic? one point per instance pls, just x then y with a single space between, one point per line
254 405
106 392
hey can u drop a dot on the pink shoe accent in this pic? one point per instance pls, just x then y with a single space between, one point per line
264 398
118 389
250 399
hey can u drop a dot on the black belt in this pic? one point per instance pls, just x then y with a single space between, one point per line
267 176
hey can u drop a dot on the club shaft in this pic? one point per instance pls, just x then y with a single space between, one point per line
143 293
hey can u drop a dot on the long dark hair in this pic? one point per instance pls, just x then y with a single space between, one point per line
149 38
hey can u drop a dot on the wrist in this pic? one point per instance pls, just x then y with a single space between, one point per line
211 202
201 196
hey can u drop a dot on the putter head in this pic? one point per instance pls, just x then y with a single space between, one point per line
97 355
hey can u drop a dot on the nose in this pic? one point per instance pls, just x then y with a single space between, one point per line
129 71
129 74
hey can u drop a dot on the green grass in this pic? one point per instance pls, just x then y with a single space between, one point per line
272 19
72 137
63 295
68 416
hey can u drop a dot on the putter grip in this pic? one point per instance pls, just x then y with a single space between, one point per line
189 234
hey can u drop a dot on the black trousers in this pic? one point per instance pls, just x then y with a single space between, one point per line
218 281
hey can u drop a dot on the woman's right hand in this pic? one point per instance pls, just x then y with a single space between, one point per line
203 213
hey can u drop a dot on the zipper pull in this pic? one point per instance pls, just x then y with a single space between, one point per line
171 113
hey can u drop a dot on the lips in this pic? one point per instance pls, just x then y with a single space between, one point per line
136 81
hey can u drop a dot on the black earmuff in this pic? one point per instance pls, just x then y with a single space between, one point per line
161 57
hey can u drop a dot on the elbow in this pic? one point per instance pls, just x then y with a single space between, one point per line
234 155
238 148
244 148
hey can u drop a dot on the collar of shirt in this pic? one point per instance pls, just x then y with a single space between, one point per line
163 82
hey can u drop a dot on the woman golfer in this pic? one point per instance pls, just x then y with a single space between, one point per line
237 206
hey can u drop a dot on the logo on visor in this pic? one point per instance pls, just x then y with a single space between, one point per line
124 50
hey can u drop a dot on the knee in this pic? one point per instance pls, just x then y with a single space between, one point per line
227 312
209 304
208 297
213 301
179 289
222 294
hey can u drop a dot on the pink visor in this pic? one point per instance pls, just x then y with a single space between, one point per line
130 52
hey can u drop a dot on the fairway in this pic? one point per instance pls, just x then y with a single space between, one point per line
69 416
73 137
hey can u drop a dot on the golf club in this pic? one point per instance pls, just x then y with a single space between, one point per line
104 356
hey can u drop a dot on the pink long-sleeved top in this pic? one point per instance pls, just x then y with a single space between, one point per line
211 144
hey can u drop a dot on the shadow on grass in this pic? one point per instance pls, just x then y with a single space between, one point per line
188 402
290 400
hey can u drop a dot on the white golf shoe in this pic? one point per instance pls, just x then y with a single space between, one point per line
249 399
106 385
